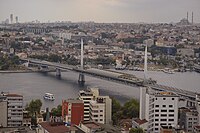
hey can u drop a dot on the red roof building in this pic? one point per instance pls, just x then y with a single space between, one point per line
72 111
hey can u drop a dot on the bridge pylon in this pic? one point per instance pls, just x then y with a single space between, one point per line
58 72
81 79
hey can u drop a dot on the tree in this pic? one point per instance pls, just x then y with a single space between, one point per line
116 111
136 130
131 109
57 111
34 107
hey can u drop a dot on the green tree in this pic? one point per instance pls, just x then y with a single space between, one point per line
131 109
116 111
136 130
57 111
34 107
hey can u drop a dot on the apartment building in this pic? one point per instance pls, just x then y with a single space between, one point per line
97 111
72 111
87 96
11 110
158 108
188 119
3 111
15 110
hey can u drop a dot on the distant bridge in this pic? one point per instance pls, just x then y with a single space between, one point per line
119 77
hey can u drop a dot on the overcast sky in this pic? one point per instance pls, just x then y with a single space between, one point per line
100 10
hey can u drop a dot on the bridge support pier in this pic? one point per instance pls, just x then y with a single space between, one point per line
58 72
81 79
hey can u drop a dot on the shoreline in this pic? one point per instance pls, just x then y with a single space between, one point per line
17 71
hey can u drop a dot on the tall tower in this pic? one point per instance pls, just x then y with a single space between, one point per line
192 18
16 19
11 18
187 16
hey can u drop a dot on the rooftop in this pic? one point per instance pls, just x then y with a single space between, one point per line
140 122
54 128
73 101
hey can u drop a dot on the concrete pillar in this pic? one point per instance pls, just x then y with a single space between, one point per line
81 79
58 72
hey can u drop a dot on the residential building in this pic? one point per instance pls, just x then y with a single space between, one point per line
72 111
15 110
158 108
97 111
167 129
188 119
11 110
3 111
26 119
138 123
196 129
91 127
105 103
87 96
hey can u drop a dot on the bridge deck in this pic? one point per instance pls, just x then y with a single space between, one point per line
120 77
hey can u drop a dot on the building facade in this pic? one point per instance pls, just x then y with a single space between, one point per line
72 111
188 119
3 111
15 110
158 108
88 95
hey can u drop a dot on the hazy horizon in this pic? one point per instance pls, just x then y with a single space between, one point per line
108 11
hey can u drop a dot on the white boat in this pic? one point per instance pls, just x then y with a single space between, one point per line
167 70
49 96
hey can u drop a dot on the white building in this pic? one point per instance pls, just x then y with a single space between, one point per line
15 110
97 108
101 110
3 111
88 95
97 111
158 108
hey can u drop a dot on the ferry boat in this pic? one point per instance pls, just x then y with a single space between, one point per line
49 96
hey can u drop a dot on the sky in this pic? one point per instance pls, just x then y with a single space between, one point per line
126 11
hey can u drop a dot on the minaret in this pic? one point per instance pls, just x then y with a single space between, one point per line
145 64
82 54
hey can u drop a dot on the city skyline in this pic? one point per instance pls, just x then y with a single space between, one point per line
126 11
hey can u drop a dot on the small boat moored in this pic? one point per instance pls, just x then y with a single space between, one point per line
167 70
49 96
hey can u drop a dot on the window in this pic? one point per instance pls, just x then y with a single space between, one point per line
170 106
156 110
156 124
163 120
163 110
101 110
171 110
156 114
171 115
156 119
163 115
164 106
172 98
164 98
157 105
171 119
